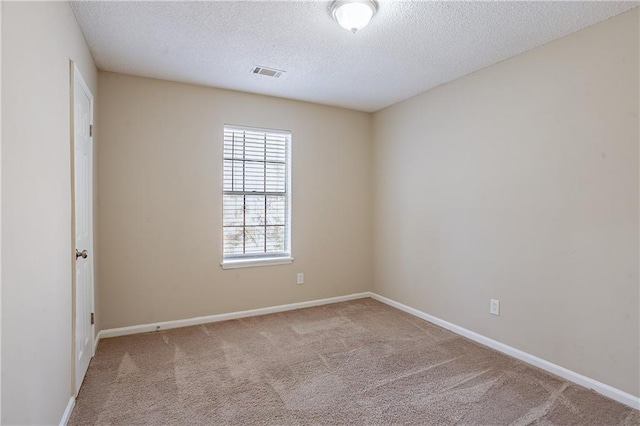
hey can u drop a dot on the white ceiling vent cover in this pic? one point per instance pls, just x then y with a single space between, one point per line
269 72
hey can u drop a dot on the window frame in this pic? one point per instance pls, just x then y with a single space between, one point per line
265 259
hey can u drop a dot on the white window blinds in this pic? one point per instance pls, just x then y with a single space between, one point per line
256 200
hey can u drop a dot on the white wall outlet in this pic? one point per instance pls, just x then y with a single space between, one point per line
494 307
300 278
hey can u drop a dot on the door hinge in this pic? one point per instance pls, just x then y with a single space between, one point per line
92 319
90 130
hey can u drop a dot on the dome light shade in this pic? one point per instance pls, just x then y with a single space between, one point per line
353 15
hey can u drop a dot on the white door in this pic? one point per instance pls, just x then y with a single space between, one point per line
83 190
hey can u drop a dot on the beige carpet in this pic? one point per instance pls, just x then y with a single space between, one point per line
358 362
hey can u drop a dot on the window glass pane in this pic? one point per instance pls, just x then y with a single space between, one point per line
276 210
254 149
276 178
254 210
275 238
276 151
254 176
254 239
233 175
233 240
233 210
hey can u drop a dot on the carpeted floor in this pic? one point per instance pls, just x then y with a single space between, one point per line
358 362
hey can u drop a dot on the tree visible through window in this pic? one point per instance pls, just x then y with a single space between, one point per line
256 193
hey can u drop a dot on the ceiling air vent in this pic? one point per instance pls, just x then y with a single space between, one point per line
269 72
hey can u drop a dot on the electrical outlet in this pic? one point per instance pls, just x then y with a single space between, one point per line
494 307
300 278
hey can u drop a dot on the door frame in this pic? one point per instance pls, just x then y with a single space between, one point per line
76 77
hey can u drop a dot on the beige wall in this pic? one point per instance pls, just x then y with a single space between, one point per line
160 180
520 183
38 39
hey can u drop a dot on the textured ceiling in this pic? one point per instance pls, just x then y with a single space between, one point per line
409 47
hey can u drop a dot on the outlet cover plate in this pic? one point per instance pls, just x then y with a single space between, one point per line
300 278
494 307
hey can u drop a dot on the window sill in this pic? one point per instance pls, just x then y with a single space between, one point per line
250 263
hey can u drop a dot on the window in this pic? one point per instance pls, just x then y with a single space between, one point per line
256 196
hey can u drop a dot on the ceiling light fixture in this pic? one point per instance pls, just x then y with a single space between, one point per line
353 15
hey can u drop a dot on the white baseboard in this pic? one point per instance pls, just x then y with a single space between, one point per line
602 388
96 340
164 325
67 412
